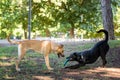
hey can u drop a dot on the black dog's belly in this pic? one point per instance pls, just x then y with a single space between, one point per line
89 56
91 60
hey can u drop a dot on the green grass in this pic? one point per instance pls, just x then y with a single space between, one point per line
112 44
33 63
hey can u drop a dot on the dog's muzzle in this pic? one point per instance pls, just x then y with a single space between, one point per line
60 55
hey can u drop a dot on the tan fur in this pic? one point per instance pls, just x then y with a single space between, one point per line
44 46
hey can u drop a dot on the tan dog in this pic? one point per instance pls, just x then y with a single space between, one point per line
44 46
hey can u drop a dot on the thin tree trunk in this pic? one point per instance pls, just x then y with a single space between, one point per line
72 32
25 34
107 17
25 30
47 32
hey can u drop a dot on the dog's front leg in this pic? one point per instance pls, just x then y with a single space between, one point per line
21 53
17 62
47 62
73 66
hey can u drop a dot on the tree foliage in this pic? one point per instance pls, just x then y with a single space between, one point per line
51 16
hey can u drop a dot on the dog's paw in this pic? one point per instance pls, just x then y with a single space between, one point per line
18 69
67 67
50 69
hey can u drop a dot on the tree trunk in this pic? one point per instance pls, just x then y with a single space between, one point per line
25 30
107 17
25 34
72 32
47 32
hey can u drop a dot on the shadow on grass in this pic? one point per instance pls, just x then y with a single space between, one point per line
80 74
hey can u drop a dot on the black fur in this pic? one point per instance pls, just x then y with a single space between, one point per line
100 49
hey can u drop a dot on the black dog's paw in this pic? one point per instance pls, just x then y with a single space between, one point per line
73 66
66 67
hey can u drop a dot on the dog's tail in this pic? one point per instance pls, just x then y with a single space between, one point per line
11 41
105 32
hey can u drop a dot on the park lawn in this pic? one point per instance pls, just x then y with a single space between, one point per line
112 44
33 63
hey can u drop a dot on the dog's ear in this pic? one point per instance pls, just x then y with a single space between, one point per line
77 56
60 46
75 53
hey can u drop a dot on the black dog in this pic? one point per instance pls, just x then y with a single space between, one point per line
100 49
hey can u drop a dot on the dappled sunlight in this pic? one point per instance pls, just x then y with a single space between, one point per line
5 61
8 77
3 58
42 78
5 64
107 72
72 73
103 72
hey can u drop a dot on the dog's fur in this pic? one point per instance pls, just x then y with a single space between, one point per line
44 46
100 49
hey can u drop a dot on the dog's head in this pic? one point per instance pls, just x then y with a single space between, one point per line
60 50
73 57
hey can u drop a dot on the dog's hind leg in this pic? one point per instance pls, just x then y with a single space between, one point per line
104 61
21 53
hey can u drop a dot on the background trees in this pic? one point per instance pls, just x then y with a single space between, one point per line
49 17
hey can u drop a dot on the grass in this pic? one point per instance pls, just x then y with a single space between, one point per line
33 63
112 44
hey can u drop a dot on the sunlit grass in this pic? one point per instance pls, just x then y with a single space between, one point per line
112 44
8 50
